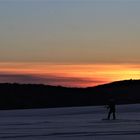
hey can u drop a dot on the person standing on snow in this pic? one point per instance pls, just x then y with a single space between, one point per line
112 109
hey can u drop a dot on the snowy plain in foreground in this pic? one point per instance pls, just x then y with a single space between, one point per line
76 123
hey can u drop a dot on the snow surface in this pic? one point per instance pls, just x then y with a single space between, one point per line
77 123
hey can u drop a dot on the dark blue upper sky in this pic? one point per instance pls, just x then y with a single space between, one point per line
81 31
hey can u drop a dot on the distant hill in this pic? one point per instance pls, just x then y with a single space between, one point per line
20 96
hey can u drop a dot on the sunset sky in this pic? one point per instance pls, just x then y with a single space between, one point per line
74 43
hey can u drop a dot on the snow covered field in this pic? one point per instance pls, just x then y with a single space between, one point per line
80 123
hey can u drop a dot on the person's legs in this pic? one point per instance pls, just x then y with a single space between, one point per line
109 114
114 115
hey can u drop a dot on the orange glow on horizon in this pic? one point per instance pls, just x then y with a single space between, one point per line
70 74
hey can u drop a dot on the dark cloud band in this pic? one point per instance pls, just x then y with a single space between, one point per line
47 79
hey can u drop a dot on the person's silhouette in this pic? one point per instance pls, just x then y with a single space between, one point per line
112 109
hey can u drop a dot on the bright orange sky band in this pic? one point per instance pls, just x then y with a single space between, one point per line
70 75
